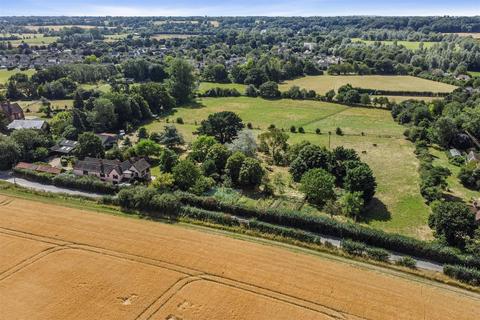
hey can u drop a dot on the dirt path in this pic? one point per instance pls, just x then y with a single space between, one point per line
84 265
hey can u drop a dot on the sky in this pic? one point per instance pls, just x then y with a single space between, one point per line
238 7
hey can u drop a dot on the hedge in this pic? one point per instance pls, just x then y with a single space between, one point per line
401 93
327 226
65 180
464 274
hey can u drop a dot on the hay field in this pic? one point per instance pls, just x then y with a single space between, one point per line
322 84
60 27
86 265
164 36
6 74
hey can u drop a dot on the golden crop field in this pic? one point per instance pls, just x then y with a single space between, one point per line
66 263
322 84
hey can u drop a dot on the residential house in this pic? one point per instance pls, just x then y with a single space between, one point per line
28 124
472 156
455 152
108 139
114 171
64 147
13 111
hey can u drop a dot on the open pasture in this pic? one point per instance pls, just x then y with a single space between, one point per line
322 84
102 266
204 86
412 45
398 206
6 74
164 36
59 27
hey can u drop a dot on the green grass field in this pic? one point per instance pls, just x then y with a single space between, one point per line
454 185
102 87
412 45
31 108
5 74
163 36
474 73
204 86
398 206
322 84
32 39
399 99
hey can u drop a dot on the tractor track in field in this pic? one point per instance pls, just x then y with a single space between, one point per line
191 275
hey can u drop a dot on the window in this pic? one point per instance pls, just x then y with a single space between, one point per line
85 172
102 175
115 177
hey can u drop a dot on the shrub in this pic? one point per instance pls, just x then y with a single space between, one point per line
353 247
323 225
407 261
180 120
293 129
301 130
318 131
464 274
377 254
186 174
339 131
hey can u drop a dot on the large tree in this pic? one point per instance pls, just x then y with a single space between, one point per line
452 221
318 186
224 126
181 81
89 145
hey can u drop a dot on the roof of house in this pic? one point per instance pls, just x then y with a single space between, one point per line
454 152
26 124
107 138
10 108
106 166
141 165
64 146
473 156
38 167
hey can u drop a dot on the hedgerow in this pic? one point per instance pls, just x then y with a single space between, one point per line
464 274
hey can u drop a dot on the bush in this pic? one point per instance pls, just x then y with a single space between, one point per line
338 132
180 120
464 274
377 254
353 247
293 129
318 131
407 261
301 130
323 225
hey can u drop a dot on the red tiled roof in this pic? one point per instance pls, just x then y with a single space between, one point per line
25 165
39 168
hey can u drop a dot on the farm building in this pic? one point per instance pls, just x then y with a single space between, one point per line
38 167
28 124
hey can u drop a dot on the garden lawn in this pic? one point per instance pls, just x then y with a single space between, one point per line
322 84
455 187
398 206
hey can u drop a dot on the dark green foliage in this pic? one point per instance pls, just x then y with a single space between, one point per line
359 177
269 90
224 126
89 145
220 92
407 261
219 154
317 185
310 157
10 153
167 160
464 274
233 166
186 174
251 173
452 221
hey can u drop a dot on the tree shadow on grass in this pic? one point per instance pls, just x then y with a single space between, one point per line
376 211
193 105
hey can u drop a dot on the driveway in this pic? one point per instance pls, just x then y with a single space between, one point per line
8 177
